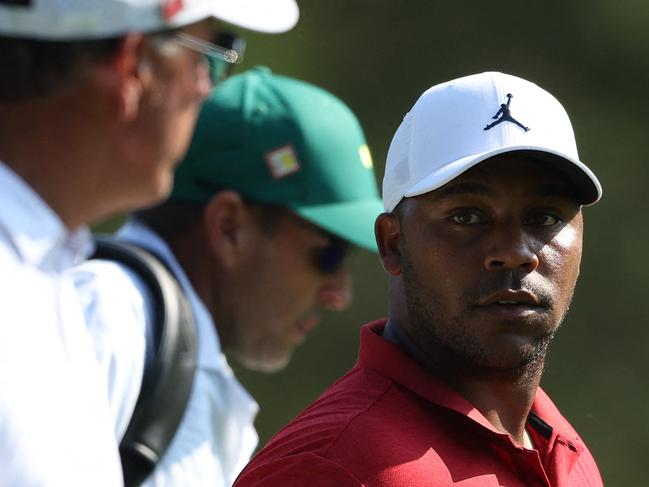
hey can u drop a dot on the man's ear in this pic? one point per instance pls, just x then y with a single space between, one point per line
227 224
125 75
387 230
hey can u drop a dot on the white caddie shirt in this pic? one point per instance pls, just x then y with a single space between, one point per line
216 436
55 427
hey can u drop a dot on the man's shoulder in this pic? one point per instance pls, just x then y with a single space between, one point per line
350 433
31 300
322 424
107 288
116 311
102 272
47 362
301 451
369 430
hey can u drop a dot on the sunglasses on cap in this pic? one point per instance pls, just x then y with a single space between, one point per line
220 55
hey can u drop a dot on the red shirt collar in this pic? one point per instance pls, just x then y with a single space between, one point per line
389 360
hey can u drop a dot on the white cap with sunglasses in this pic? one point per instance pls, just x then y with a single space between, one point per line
96 19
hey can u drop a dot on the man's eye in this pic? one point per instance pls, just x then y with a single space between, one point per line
466 218
544 220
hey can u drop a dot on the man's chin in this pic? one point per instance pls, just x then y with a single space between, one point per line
265 364
510 364
153 194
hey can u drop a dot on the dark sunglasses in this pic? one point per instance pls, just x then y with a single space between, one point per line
331 259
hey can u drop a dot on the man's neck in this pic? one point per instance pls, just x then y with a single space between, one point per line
52 146
504 399
506 405
203 270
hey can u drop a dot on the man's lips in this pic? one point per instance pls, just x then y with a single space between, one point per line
511 297
511 304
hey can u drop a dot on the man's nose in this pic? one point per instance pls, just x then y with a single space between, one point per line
512 247
336 292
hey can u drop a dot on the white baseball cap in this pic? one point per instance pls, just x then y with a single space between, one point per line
455 125
96 19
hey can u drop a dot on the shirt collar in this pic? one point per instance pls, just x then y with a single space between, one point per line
386 357
37 234
390 360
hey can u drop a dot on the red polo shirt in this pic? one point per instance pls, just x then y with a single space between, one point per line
389 423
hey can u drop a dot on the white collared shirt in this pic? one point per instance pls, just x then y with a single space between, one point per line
216 436
54 420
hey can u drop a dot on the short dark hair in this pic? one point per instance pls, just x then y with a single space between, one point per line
171 218
34 68
267 216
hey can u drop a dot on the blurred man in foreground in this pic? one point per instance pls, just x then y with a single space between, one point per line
98 100
276 187
482 241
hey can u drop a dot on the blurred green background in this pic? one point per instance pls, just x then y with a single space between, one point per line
379 56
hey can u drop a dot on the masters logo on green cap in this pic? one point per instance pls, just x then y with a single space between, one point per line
282 141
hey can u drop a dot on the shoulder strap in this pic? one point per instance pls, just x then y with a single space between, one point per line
167 379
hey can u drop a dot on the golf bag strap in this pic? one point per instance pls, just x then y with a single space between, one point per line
168 377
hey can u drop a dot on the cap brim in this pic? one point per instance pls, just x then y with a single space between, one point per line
352 221
269 16
588 190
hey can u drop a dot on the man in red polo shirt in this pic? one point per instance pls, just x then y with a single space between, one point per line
481 240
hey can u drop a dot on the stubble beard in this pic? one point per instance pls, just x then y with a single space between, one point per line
451 348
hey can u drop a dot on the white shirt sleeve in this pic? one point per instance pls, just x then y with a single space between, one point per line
117 306
55 426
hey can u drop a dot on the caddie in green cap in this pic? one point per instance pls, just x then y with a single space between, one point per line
283 142
276 188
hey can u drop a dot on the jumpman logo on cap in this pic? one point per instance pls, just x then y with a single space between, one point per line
505 115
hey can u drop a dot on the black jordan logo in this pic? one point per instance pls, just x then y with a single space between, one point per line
505 115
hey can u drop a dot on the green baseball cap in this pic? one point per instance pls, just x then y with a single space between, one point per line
282 141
